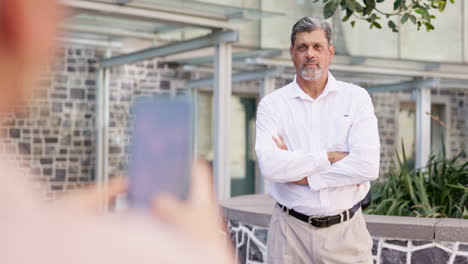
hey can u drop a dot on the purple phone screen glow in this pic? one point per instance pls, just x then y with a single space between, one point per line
160 156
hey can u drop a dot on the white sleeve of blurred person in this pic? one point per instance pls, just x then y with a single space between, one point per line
71 232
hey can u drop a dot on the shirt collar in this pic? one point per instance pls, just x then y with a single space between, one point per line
296 91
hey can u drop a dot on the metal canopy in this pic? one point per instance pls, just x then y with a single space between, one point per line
203 8
238 77
102 8
389 67
416 84
156 20
236 56
198 43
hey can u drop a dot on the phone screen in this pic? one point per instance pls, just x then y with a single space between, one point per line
160 153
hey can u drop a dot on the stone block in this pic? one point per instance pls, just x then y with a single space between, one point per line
24 148
391 256
450 229
401 227
76 93
14 133
431 255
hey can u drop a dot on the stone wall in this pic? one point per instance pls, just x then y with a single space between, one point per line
54 134
386 107
250 247
53 137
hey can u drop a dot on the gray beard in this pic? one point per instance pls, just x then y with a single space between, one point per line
306 74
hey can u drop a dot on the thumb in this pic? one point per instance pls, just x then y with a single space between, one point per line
202 187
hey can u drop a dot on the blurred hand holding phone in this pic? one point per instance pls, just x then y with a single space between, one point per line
161 150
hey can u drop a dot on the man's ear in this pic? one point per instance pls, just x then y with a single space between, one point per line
291 49
331 49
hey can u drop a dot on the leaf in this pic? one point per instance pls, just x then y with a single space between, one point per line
429 26
420 10
404 18
350 5
377 25
413 19
424 12
353 23
396 4
393 26
330 8
349 13
441 5
370 5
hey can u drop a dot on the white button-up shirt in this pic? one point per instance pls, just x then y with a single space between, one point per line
341 119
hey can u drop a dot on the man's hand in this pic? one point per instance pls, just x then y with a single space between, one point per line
332 157
280 142
304 181
336 156
281 145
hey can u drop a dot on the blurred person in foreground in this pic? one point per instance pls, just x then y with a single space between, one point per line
72 231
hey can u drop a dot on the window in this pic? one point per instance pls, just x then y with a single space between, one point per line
407 130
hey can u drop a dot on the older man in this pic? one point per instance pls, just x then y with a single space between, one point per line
317 143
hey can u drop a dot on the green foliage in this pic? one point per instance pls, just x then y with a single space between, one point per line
419 12
438 190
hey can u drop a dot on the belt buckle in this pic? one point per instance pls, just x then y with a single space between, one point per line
284 209
320 222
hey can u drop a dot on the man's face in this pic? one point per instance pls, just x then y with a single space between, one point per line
311 54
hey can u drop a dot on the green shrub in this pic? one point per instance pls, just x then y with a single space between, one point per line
438 190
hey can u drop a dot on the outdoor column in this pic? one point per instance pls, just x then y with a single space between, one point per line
102 130
423 126
221 119
465 30
267 86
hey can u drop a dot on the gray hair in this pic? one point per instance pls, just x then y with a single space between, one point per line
309 24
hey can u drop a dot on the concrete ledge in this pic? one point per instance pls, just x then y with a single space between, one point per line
249 209
401 227
450 229
256 210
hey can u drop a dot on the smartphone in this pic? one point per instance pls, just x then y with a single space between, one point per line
160 150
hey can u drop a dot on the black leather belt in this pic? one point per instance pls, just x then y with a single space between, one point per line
325 221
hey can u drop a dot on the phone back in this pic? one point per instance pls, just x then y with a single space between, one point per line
160 153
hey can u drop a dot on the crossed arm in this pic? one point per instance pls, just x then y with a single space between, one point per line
319 169
332 157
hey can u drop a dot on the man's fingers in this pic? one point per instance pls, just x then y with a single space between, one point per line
280 142
281 138
283 145
276 141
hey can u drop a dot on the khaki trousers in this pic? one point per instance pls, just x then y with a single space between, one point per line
291 240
